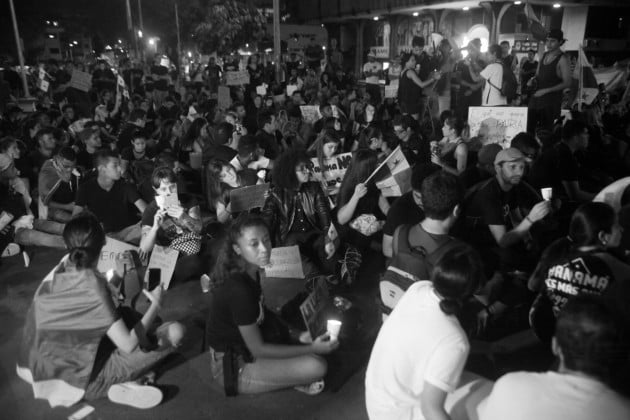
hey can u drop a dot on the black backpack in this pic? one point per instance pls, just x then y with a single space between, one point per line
509 87
410 264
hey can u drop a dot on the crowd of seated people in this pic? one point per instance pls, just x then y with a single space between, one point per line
478 234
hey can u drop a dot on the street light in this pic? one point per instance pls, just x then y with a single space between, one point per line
75 42
152 41
139 33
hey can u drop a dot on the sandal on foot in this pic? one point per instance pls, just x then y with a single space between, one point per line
135 395
313 388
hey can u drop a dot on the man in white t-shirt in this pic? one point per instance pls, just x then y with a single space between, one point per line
372 71
406 363
493 75
589 342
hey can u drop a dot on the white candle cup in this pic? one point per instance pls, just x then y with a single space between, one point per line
333 327
204 280
546 193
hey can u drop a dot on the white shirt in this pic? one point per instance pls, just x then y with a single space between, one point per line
374 67
552 396
493 73
417 343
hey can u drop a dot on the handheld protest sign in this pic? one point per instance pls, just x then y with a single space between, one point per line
285 262
246 198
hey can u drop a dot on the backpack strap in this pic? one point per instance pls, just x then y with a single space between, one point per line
400 241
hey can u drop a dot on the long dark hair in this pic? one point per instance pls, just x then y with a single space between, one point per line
193 133
217 191
370 132
228 262
84 237
283 175
588 221
364 162
327 136
456 276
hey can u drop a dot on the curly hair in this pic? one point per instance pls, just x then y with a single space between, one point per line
228 262
284 177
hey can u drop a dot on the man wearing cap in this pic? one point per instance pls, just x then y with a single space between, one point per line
552 78
372 72
502 211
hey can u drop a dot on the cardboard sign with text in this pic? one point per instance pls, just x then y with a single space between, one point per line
113 249
333 172
497 124
391 91
313 309
246 198
81 80
285 262
236 78
310 113
164 258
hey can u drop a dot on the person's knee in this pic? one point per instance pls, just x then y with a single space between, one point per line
315 367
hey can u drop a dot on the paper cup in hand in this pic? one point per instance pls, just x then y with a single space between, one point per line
333 326
546 193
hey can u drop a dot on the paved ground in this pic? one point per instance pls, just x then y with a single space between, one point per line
189 390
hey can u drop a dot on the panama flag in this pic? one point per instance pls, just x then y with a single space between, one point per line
584 81
393 176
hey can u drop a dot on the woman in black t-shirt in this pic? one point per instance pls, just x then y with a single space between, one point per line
577 264
235 327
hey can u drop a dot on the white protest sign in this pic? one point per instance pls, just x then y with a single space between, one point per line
81 80
246 198
285 262
310 113
43 85
112 250
166 201
164 258
236 78
333 171
223 97
262 89
497 124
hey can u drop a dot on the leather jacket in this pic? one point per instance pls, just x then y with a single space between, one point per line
279 210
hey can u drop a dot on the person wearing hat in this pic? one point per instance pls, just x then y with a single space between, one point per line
502 211
552 78
372 72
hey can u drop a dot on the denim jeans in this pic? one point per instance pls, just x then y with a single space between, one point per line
264 375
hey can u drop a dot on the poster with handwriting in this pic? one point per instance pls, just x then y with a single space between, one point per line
81 80
310 113
246 198
113 249
164 258
236 78
313 309
285 262
497 124
333 171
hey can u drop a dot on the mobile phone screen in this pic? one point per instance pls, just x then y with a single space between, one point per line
154 278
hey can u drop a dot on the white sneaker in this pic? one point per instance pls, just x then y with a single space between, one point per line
135 395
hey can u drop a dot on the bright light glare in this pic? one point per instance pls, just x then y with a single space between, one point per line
415 13
557 5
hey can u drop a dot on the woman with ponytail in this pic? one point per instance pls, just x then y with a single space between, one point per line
579 263
421 349
76 344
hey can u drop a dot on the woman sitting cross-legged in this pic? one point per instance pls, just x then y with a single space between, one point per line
237 321
298 213
166 223
76 343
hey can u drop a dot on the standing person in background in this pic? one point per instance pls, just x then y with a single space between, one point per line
410 87
471 83
552 78
493 75
529 65
372 71
446 64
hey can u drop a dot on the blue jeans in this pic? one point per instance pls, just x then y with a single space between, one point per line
264 375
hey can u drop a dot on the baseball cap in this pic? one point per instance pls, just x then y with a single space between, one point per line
488 153
372 54
510 154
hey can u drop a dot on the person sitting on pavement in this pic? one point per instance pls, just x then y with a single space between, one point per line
484 169
17 223
173 225
590 342
58 184
421 349
451 153
111 199
580 263
416 149
221 178
408 208
79 343
134 156
45 148
297 212
237 322
89 143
